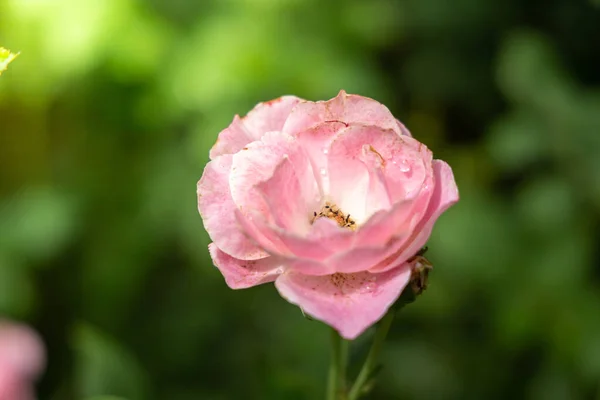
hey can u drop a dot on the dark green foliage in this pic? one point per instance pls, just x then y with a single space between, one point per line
106 120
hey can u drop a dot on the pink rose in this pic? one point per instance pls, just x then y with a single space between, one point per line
328 199
21 361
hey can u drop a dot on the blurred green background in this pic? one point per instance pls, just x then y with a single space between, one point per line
106 120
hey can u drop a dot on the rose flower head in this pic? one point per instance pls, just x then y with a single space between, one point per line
328 199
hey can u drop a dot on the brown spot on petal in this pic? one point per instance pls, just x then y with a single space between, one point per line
274 101
337 120
347 284
326 104
381 159
338 280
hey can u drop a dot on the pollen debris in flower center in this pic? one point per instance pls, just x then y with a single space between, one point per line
333 212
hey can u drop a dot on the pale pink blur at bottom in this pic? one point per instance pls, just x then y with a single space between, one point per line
13 387
22 359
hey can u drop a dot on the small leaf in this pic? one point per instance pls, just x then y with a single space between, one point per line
5 58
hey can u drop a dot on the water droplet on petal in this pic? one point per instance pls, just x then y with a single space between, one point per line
323 172
325 150
404 167
368 287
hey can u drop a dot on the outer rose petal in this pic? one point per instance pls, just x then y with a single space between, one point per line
445 194
218 211
231 139
265 117
259 162
403 129
241 274
348 108
348 302
270 115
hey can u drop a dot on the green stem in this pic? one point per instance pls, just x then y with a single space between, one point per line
343 365
371 361
337 368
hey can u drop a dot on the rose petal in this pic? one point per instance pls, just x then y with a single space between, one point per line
344 107
316 140
357 259
241 274
270 115
332 236
348 302
445 194
264 234
263 118
403 129
288 204
231 140
385 225
307 267
258 163
378 194
217 209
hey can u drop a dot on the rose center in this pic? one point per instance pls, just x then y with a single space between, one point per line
333 212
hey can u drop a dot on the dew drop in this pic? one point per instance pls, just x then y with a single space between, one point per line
325 150
323 172
368 287
404 167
